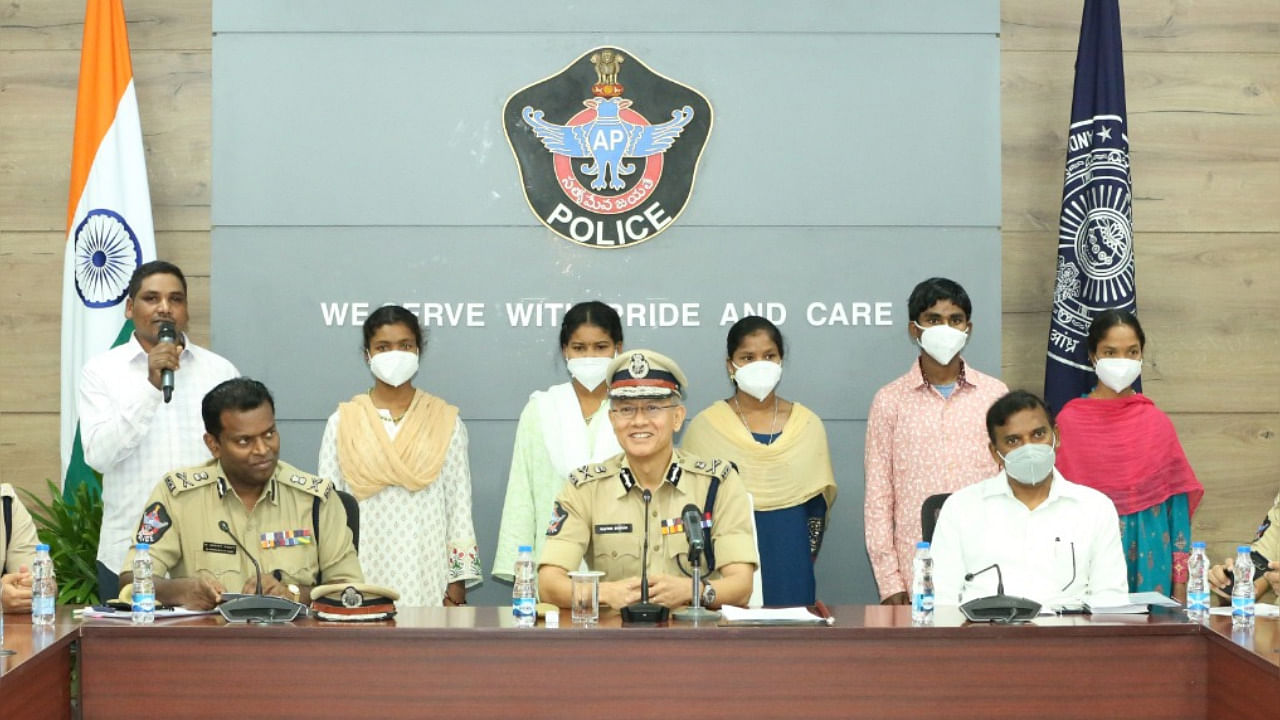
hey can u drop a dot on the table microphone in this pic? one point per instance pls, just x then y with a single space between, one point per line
167 334
998 608
691 518
645 612
257 608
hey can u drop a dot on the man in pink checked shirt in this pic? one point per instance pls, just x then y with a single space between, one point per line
926 433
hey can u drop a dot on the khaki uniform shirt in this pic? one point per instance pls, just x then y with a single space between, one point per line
181 524
21 548
599 516
1268 543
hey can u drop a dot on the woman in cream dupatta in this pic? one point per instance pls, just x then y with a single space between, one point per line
561 429
780 448
402 453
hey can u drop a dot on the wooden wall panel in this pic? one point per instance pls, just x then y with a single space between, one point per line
1149 25
153 24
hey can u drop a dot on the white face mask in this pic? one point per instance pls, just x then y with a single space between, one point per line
942 342
1030 464
1117 373
394 367
589 371
757 379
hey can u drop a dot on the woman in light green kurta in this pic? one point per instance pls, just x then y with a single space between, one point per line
561 428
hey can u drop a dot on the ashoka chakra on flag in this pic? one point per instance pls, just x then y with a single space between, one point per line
107 253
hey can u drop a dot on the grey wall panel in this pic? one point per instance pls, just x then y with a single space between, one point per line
356 129
275 310
662 16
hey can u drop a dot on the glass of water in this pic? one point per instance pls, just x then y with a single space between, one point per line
586 596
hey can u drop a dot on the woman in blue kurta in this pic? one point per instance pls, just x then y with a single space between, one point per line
780 448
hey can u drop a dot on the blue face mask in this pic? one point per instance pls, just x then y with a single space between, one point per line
1030 464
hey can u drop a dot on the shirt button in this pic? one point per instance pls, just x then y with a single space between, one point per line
613 554
655 513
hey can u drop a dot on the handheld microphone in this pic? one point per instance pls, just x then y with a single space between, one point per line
224 527
257 607
691 517
645 612
998 608
168 334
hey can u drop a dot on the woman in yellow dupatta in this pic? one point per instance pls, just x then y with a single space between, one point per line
780 448
403 454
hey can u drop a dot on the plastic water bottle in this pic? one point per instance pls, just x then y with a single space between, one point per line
524 599
1198 583
922 586
144 587
1242 592
44 587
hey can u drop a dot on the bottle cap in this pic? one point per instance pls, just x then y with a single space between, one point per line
524 548
41 547
1199 544
1243 549
144 546
922 545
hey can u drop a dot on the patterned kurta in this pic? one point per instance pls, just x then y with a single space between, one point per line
920 444
415 542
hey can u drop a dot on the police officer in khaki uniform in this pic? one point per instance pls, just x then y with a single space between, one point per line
17 552
269 506
1267 544
600 514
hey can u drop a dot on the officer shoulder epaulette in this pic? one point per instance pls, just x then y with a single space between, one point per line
179 481
596 471
714 467
306 482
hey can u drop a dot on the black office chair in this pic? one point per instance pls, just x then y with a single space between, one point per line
929 514
353 516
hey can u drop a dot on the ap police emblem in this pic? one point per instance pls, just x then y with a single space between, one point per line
1095 233
607 149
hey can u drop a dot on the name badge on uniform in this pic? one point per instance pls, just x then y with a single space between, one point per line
224 548
613 528
285 538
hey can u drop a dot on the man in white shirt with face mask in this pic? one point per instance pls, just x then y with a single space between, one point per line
1056 542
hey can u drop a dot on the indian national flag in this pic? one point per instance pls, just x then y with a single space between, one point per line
109 231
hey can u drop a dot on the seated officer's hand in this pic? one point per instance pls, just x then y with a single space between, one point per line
620 593
670 590
1273 576
202 592
1218 579
270 586
15 591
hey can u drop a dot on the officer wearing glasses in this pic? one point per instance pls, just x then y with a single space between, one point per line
600 513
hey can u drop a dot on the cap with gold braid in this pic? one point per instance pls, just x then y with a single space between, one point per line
353 602
645 374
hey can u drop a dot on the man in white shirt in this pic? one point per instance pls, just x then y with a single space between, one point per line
1056 542
129 433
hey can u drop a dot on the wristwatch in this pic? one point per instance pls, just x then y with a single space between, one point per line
708 594
295 592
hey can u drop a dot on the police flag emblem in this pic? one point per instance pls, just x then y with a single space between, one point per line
617 167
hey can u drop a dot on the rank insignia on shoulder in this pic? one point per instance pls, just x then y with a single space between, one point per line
285 538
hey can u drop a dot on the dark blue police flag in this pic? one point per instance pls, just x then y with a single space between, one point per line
1095 229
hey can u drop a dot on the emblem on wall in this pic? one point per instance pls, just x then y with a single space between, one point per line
607 148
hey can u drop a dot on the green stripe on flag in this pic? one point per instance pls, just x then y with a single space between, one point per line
78 471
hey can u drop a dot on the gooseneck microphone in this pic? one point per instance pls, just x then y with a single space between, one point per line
645 612
998 608
224 527
168 334
256 608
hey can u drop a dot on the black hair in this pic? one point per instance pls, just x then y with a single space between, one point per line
241 394
1013 402
752 324
1107 319
155 267
393 315
591 312
929 292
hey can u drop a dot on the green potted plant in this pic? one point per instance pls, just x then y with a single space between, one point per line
70 528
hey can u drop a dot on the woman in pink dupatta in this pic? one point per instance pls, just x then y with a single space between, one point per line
1117 441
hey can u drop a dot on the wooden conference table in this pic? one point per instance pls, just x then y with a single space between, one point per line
471 662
